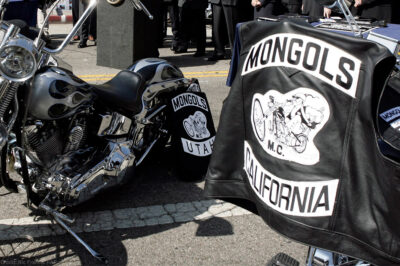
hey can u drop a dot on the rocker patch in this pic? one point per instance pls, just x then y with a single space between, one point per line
297 198
390 114
200 149
286 124
188 99
318 58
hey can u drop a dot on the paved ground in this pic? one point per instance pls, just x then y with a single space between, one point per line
161 220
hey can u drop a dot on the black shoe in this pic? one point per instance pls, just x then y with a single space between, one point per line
215 57
82 45
199 54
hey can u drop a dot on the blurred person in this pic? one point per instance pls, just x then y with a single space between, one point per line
292 6
193 25
75 16
374 9
171 11
312 8
88 29
226 14
267 8
25 10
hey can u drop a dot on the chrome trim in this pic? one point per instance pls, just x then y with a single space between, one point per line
29 47
11 32
107 173
341 5
14 115
147 151
114 124
143 117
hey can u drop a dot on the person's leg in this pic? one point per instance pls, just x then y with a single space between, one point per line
173 11
199 28
84 30
75 16
30 10
93 25
185 17
231 14
219 30
75 11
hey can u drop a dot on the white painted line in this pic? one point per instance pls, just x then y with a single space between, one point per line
30 227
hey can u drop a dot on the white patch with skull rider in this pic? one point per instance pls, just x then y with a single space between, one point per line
196 127
286 124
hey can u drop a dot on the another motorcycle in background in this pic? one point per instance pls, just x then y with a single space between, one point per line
62 140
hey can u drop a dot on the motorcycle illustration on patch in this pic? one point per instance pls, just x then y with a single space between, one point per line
286 124
196 126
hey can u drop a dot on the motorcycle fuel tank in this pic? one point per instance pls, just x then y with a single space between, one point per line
155 70
57 93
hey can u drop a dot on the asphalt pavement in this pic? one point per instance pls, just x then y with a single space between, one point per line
159 220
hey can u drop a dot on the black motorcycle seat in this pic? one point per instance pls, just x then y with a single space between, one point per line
123 92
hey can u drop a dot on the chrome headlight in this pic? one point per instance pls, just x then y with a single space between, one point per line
18 59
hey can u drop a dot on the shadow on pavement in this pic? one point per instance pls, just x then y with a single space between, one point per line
156 184
214 226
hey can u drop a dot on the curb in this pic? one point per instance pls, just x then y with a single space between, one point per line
61 19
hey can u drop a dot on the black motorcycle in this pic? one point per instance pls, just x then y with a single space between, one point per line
63 140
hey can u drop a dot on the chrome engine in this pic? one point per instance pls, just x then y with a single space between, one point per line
107 173
75 171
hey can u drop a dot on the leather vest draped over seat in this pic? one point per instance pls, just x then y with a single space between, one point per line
297 140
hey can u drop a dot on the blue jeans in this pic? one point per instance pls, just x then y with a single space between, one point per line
26 11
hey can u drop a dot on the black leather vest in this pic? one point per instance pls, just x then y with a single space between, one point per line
300 120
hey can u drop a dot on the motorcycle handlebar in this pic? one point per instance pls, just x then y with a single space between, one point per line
142 7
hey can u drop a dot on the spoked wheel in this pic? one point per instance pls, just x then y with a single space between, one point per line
259 120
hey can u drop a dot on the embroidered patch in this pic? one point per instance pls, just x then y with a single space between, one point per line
297 198
323 60
286 124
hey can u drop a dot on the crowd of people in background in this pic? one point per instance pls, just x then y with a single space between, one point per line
188 21
189 16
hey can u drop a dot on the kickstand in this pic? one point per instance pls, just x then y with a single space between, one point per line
95 254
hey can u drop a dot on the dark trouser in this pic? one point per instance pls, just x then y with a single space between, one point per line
26 11
75 11
172 9
89 26
193 24
225 19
